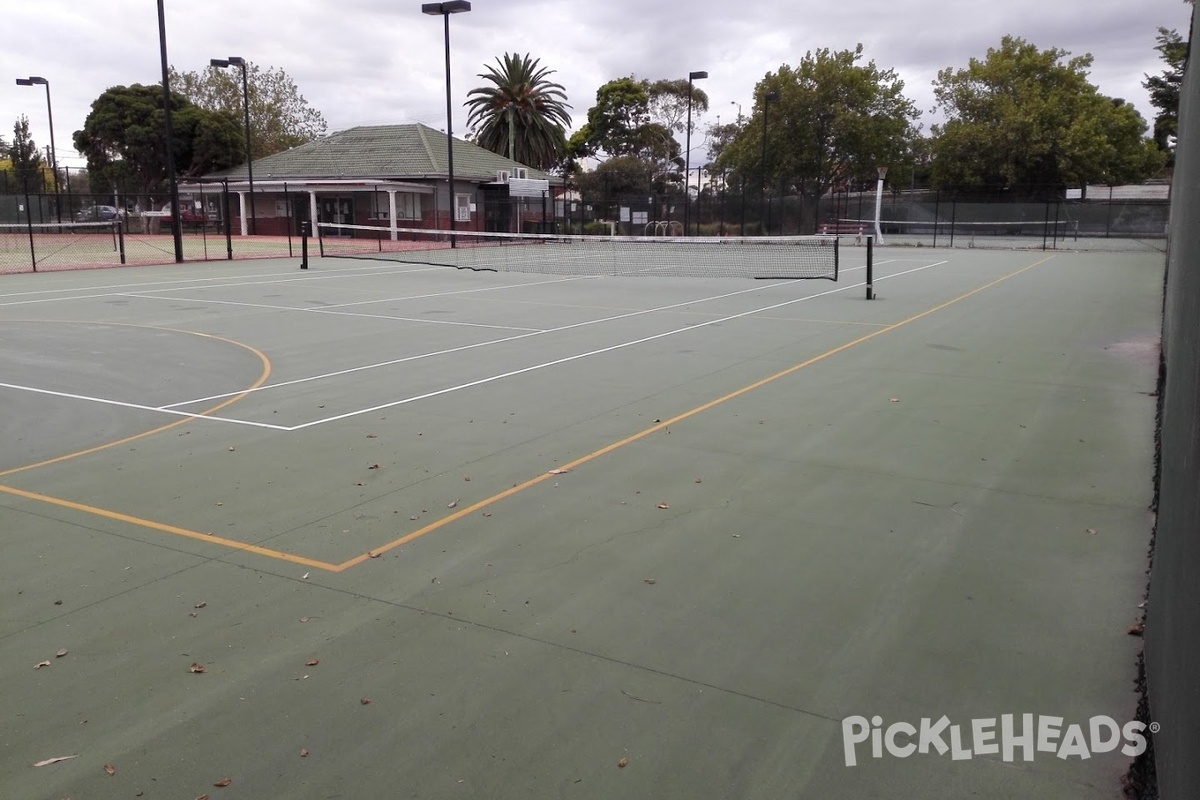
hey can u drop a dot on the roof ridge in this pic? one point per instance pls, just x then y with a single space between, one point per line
421 129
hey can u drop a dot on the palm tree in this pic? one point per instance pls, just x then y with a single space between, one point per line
523 115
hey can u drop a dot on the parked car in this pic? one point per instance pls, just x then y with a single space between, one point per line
98 214
191 216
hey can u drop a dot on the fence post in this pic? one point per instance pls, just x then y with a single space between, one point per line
29 227
287 216
937 214
953 218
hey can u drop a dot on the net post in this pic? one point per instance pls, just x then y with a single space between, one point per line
304 244
225 219
29 227
870 267
121 238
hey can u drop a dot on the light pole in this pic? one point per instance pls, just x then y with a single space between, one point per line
36 81
445 10
687 155
768 98
176 224
237 61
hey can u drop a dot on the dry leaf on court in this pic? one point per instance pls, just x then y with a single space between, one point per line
304 752
373 466
1092 531
48 761
312 662
366 701
372 554
61 653
372 436
651 581
41 664
466 477
623 763
558 472
452 504
196 667
697 480
1136 630
305 619
223 782
110 769
893 399
413 517
202 797
200 605
663 506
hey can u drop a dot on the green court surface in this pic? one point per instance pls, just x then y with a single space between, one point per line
436 533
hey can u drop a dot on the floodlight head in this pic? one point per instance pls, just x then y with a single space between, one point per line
39 81
450 7
24 82
695 76
237 61
218 62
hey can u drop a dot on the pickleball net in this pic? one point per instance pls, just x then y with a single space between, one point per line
758 257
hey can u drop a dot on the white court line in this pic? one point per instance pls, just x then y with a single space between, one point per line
475 345
325 310
138 407
599 351
172 411
347 272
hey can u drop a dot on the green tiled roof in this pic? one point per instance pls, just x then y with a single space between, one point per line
380 151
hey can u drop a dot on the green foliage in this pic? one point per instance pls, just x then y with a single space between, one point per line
1164 88
835 119
615 178
280 117
669 103
522 115
1028 120
615 125
124 140
25 159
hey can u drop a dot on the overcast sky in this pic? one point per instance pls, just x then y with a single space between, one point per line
370 62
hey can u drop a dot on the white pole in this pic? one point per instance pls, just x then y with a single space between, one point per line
879 204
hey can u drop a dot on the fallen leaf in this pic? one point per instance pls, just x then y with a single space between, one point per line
373 466
371 554
366 701
651 581
41 664
413 517
305 619
697 480
304 752
304 577
55 760
202 797
452 504
663 506
58 602
218 503
312 662
110 769
1092 531
223 782
487 513
466 477
558 472
196 667
737 536
1136 630
232 449
372 436
61 653
200 605
623 763
893 399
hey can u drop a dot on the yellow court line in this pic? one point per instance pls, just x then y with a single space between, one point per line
262 378
164 528
457 515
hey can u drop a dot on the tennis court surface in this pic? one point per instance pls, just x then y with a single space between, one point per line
380 529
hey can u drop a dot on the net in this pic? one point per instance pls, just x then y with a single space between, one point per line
759 257
49 245
1014 234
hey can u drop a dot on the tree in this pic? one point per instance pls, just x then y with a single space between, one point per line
1164 88
1028 120
280 117
124 141
669 103
616 124
523 114
26 159
834 119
